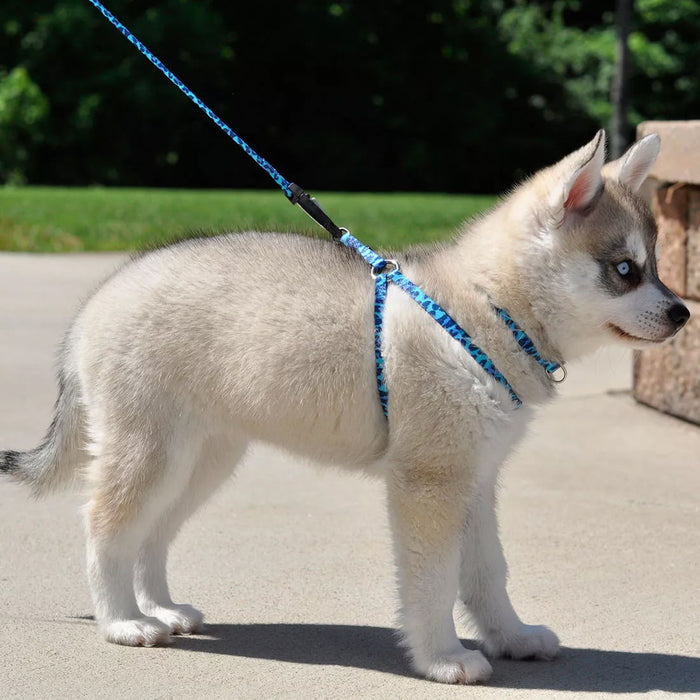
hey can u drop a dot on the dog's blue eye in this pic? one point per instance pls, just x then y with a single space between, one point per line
623 268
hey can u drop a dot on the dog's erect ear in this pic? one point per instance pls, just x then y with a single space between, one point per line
585 182
631 169
582 181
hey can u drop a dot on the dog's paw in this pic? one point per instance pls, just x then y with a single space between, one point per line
181 619
527 642
459 668
142 632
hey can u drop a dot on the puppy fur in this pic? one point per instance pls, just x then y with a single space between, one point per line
188 353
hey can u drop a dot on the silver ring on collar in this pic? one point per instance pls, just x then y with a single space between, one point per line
558 376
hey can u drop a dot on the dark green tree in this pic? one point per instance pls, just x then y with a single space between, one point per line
575 41
23 112
452 95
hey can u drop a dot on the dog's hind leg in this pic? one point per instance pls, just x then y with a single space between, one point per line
139 471
216 462
483 588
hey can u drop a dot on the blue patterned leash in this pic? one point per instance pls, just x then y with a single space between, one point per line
293 192
384 271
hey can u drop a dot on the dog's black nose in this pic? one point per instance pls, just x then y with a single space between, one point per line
678 314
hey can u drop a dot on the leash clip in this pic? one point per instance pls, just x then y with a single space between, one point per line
311 207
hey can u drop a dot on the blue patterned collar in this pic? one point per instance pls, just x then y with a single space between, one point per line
385 271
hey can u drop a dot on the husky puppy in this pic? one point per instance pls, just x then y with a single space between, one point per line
189 353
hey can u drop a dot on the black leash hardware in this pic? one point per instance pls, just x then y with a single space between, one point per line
314 210
293 192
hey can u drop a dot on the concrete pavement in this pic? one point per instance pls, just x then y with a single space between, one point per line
600 520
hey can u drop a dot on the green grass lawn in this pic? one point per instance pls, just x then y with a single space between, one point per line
60 219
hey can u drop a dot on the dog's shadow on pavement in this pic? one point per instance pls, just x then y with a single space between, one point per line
375 648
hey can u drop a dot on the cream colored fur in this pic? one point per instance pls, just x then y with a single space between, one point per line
191 352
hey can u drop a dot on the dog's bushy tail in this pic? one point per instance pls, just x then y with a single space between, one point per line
55 461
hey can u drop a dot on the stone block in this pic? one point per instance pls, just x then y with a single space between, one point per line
670 207
693 245
668 377
678 160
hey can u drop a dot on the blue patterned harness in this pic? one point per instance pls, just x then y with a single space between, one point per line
384 271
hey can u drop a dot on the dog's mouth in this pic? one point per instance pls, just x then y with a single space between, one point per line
633 338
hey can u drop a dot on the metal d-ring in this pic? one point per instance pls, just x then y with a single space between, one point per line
389 266
555 376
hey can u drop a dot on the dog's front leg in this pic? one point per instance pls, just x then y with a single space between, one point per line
426 509
483 588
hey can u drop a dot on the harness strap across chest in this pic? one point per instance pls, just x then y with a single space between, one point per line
386 271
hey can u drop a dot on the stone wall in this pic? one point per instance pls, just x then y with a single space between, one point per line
668 377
